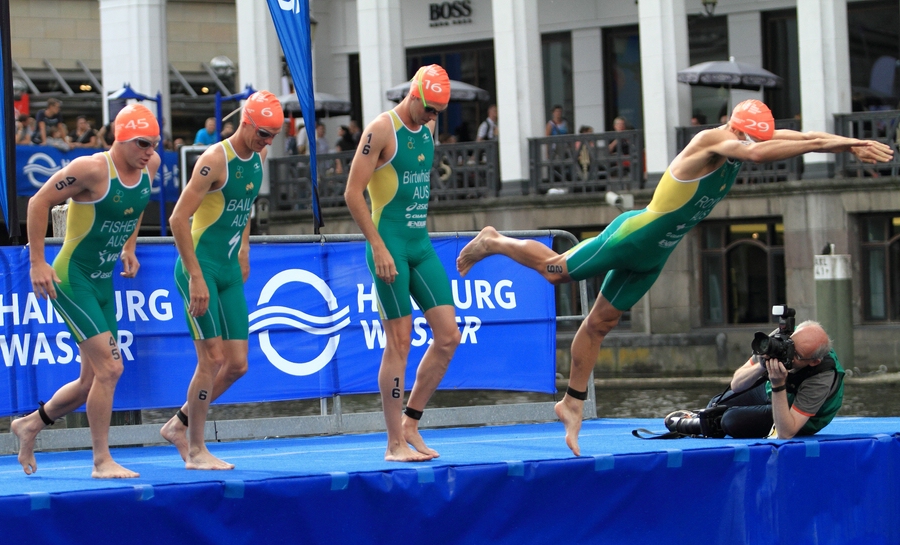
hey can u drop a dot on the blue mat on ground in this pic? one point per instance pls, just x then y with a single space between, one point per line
501 484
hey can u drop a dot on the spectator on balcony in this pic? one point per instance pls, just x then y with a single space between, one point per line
488 128
345 140
83 136
355 132
46 120
24 130
632 251
227 129
619 124
58 138
106 136
557 124
207 135
584 152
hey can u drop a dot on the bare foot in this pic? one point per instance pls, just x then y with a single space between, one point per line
205 460
569 411
26 430
109 469
175 432
402 453
475 250
412 436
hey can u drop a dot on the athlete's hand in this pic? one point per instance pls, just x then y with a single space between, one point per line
199 296
43 277
130 265
870 151
385 269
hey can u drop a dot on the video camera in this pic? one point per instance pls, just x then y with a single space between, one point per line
778 344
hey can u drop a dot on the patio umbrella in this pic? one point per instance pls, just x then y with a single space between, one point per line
730 74
459 92
326 105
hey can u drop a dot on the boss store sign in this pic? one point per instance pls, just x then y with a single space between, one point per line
450 13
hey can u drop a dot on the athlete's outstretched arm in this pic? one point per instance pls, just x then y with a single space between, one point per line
370 154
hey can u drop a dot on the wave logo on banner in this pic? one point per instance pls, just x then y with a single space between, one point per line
289 5
43 165
281 315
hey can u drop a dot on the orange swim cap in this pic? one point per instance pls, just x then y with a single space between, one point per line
136 121
263 109
431 84
753 118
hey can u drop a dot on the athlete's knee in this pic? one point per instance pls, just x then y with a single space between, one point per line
109 371
447 341
600 324
235 369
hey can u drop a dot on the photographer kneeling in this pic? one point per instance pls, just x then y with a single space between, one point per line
800 397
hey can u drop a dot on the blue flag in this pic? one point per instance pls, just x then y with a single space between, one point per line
7 129
291 18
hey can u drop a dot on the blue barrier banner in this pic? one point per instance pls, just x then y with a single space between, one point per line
314 328
36 164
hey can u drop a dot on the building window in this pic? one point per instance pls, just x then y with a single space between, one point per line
556 55
622 76
781 56
708 41
880 244
742 270
874 33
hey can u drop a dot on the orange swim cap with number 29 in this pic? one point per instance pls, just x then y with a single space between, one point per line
753 118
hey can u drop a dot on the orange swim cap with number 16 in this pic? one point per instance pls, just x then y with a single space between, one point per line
431 84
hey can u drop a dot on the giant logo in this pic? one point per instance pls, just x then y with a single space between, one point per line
42 164
315 325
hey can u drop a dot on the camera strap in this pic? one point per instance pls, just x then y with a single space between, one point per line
642 433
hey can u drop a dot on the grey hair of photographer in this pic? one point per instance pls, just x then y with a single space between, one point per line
813 343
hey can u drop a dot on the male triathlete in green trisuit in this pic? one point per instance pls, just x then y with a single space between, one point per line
107 193
633 249
214 263
394 160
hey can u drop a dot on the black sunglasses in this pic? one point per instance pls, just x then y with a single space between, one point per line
143 143
262 133
430 110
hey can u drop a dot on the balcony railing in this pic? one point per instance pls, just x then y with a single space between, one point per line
883 126
584 163
460 171
754 173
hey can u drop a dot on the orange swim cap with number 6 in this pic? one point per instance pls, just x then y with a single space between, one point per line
264 109
753 118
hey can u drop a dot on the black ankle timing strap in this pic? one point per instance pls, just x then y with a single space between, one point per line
181 416
412 413
576 394
43 414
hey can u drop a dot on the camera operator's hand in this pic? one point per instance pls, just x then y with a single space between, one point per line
777 372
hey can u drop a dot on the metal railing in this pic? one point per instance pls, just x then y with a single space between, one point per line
883 126
468 170
754 173
587 163
336 422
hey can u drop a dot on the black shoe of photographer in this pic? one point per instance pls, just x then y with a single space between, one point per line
673 417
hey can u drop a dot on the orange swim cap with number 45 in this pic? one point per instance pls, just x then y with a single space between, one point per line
431 84
754 119
135 121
